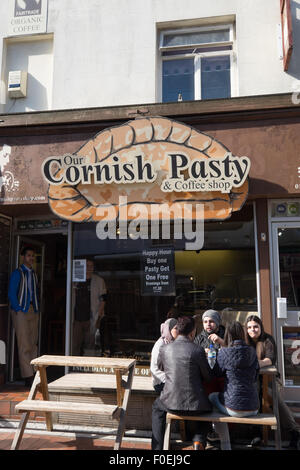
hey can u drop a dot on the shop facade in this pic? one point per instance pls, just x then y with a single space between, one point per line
249 260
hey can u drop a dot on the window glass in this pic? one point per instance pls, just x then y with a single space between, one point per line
195 60
187 39
215 77
289 264
178 79
222 276
291 349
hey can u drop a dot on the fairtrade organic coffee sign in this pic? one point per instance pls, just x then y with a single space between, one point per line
158 271
27 17
151 161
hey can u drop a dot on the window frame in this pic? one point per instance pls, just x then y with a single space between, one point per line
197 56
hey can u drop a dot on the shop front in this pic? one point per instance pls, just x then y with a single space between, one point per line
167 215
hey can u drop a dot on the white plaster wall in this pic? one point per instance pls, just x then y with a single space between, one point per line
37 59
105 51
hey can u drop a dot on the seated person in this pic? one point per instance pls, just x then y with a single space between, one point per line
265 347
186 369
239 365
168 334
213 331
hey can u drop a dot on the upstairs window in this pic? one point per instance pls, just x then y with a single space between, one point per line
197 63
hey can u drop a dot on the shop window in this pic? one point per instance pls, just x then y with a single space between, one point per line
221 276
197 63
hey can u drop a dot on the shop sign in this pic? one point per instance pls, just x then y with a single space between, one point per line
158 271
293 209
27 17
286 209
19 179
143 371
150 161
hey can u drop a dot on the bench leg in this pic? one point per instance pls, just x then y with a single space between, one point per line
24 418
222 430
123 410
166 445
275 392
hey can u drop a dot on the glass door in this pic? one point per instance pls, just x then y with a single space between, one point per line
39 248
286 264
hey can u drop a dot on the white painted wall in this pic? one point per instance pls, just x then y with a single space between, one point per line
105 51
36 58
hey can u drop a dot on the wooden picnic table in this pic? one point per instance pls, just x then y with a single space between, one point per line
122 367
270 372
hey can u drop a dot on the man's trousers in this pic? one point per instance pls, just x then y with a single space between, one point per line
197 429
27 329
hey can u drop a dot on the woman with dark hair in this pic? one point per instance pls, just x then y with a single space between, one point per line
266 352
238 363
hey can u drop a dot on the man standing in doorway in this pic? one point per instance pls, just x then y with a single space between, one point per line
89 303
23 296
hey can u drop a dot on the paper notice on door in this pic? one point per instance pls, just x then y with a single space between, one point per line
79 270
281 307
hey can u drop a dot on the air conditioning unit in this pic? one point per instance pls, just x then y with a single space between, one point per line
17 84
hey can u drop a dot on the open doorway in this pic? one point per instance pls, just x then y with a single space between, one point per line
50 266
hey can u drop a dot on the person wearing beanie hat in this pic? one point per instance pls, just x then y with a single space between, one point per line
213 332
168 334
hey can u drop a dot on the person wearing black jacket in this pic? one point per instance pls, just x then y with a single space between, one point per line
213 331
238 363
186 369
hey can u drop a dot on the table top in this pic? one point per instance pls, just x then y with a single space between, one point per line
84 361
135 340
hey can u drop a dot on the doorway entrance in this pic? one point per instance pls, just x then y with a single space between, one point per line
286 275
51 268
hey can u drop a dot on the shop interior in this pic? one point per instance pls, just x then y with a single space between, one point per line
50 266
222 276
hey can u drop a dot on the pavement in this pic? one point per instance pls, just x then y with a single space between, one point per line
63 437
82 438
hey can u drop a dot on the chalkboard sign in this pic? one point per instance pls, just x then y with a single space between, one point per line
158 271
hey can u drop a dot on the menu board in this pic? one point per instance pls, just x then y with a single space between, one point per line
4 258
158 271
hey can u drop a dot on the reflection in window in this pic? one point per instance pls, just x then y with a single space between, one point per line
196 64
215 78
289 261
178 80
291 347
222 276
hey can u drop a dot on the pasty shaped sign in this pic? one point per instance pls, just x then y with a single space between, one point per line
151 161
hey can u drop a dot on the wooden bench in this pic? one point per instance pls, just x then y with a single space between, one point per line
100 388
122 367
221 427
67 407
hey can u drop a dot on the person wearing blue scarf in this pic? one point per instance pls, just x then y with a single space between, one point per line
23 297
